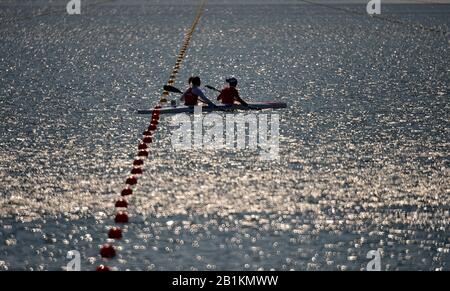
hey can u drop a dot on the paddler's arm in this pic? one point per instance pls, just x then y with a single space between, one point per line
202 97
220 96
239 99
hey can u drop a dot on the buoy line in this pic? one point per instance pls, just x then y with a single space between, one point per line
107 250
183 50
382 18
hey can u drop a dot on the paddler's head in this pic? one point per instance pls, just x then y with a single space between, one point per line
195 81
232 82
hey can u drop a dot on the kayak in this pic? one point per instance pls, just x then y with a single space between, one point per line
219 107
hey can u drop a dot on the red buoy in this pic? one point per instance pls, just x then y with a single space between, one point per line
131 180
121 202
143 153
107 251
102 268
152 127
115 232
154 121
142 146
147 132
147 139
126 192
138 162
136 171
121 217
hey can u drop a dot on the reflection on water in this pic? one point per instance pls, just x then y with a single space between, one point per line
364 144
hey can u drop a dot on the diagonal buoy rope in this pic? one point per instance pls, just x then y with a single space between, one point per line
417 26
183 50
107 250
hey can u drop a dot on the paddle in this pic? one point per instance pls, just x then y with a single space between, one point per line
173 89
212 88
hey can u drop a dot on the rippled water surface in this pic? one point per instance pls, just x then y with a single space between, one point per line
364 144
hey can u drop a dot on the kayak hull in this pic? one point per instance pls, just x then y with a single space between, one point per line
220 107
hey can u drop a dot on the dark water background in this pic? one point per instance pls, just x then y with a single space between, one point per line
364 144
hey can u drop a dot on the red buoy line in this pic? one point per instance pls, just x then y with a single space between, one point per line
107 250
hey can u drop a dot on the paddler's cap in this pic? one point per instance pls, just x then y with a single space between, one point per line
232 81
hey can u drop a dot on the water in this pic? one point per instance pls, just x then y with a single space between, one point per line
364 145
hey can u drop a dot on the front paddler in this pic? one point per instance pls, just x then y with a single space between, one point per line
229 94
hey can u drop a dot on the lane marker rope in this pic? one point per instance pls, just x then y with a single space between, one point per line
183 49
413 25
107 250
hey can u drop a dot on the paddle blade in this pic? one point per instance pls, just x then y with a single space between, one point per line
212 88
169 88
